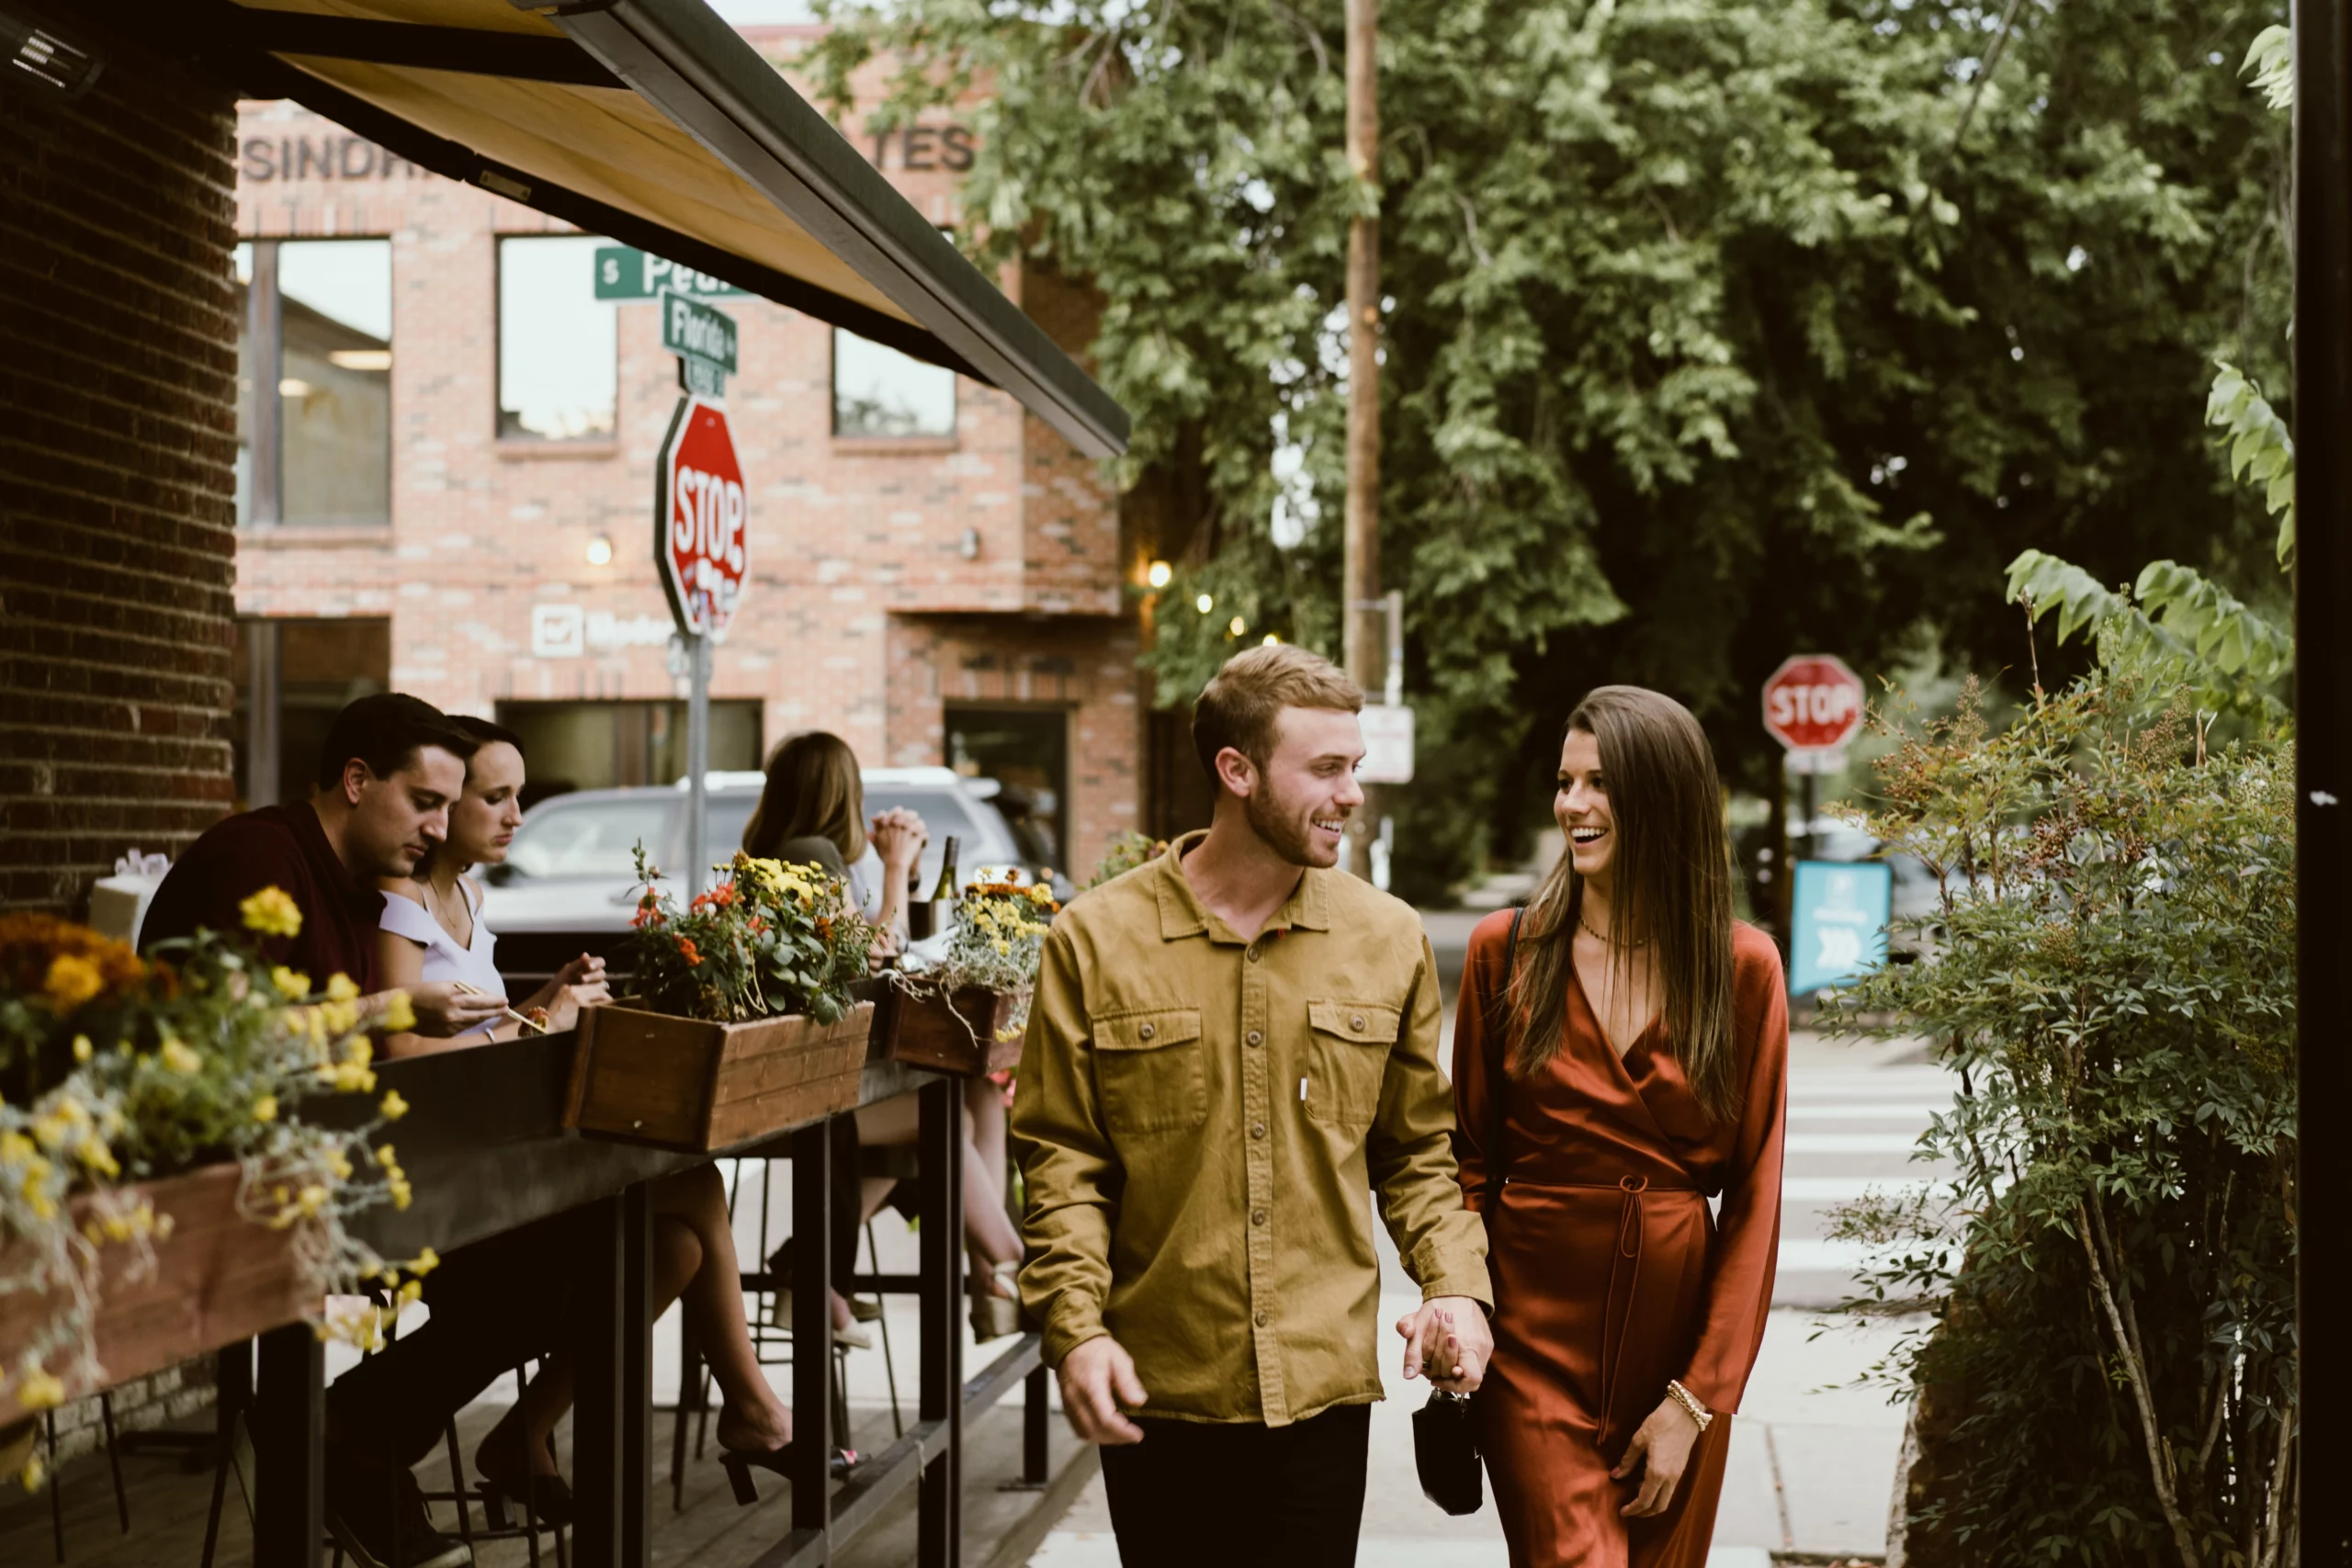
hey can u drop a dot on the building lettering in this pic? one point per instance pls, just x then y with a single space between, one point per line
264 159
922 147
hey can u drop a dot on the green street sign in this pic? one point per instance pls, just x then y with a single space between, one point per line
694 330
624 272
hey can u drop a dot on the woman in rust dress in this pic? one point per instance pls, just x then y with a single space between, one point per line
1646 1039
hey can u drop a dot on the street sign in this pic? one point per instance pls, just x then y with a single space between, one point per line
699 511
1387 744
624 272
1813 702
1839 914
695 331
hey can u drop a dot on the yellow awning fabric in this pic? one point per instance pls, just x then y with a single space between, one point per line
652 122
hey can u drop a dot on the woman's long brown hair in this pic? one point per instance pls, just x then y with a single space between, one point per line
1671 878
815 790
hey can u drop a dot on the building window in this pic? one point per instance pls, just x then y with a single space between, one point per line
315 382
879 391
604 745
558 352
1025 754
292 678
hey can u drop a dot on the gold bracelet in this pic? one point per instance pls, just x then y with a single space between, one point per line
1689 1403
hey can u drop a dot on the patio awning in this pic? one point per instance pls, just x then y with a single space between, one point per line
650 121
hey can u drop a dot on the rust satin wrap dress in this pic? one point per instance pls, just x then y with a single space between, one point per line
1611 1275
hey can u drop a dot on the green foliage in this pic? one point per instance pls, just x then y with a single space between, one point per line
2111 973
1719 328
2260 447
2271 61
2172 629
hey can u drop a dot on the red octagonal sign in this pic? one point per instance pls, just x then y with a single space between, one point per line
699 518
1813 702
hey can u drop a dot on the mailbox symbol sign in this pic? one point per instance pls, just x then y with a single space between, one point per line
699 513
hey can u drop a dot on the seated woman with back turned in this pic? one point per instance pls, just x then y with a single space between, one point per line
432 930
813 811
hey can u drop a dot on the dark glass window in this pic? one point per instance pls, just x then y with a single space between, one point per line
558 356
879 391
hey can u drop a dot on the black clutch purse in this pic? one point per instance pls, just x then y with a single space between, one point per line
1445 1451
1445 1431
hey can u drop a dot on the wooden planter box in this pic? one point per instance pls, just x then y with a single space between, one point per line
680 1083
958 1034
219 1277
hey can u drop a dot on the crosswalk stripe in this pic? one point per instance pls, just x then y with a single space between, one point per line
1851 1143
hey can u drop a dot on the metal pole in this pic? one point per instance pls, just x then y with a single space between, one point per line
697 764
2323 758
1359 555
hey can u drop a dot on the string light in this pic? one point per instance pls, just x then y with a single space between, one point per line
600 550
1237 627
1160 574
1203 603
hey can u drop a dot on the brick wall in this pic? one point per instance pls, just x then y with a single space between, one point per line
118 440
117 379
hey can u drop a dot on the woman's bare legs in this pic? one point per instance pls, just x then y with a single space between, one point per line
989 1233
693 1259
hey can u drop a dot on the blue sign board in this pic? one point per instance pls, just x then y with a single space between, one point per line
1838 911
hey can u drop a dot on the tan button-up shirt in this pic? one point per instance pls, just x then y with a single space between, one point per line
1199 1120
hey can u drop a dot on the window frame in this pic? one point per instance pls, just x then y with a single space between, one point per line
264 334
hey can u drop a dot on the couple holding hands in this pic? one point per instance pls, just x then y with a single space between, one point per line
1231 1045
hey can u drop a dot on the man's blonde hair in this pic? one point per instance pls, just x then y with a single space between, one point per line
1241 702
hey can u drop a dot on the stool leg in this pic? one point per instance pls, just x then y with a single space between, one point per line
56 1503
114 1461
889 1367
457 1483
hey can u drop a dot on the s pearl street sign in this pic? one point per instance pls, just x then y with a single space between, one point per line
700 542
1813 703
624 272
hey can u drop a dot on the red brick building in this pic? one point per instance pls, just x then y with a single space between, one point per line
445 486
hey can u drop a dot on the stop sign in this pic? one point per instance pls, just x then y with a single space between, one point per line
1813 702
698 517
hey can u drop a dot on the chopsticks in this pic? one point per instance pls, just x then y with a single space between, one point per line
464 989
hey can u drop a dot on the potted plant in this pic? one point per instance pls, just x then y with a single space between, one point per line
966 1013
740 1023
159 1192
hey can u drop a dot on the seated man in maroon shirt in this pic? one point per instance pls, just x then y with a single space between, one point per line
388 773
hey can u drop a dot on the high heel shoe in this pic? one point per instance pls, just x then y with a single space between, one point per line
546 1498
739 1464
997 1312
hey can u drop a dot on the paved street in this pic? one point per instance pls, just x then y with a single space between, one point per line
1813 1458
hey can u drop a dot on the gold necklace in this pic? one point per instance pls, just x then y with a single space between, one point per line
1602 940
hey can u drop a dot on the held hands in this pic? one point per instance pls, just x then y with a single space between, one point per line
1447 1335
1661 1450
578 984
898 837
1090 1375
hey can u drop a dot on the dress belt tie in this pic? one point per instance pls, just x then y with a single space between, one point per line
1625 1275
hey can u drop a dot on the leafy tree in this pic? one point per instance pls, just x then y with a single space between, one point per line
1719 328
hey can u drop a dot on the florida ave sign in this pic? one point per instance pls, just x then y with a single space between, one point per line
1813 702
699 518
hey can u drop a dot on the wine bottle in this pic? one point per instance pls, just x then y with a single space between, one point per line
946 890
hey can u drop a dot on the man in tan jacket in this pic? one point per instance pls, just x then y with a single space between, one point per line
1228 1047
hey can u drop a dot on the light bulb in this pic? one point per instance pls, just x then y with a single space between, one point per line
1203 603
1160 574
600 550
1236 626
1272 640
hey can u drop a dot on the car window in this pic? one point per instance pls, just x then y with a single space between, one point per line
724 818
590 838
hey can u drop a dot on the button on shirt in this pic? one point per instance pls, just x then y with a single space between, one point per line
1199 1119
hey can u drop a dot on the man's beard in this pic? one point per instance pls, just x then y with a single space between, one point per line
1289 837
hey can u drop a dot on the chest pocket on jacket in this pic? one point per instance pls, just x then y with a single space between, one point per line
1347 1057
1149 1071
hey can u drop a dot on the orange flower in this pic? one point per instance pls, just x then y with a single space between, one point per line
687 951
647 914
718 898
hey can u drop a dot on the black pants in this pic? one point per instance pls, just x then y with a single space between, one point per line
494 1304
1195 1496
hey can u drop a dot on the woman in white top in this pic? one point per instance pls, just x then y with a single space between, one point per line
432 930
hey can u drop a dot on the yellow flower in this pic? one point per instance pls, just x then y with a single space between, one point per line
424 1263
399 1016
266 1108
290 983
338 1162
98 1157
342 988
179 1058
401 1194
73 980
413 1291
359 1052
38 1391
33 1474
82 1048
384 1155
272 912
394 1107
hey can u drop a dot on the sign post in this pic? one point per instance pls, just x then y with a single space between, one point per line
1813 705
700 549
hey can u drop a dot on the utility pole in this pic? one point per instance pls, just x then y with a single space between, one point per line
1360 556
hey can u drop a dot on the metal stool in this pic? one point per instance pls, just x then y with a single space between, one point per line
114 1463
